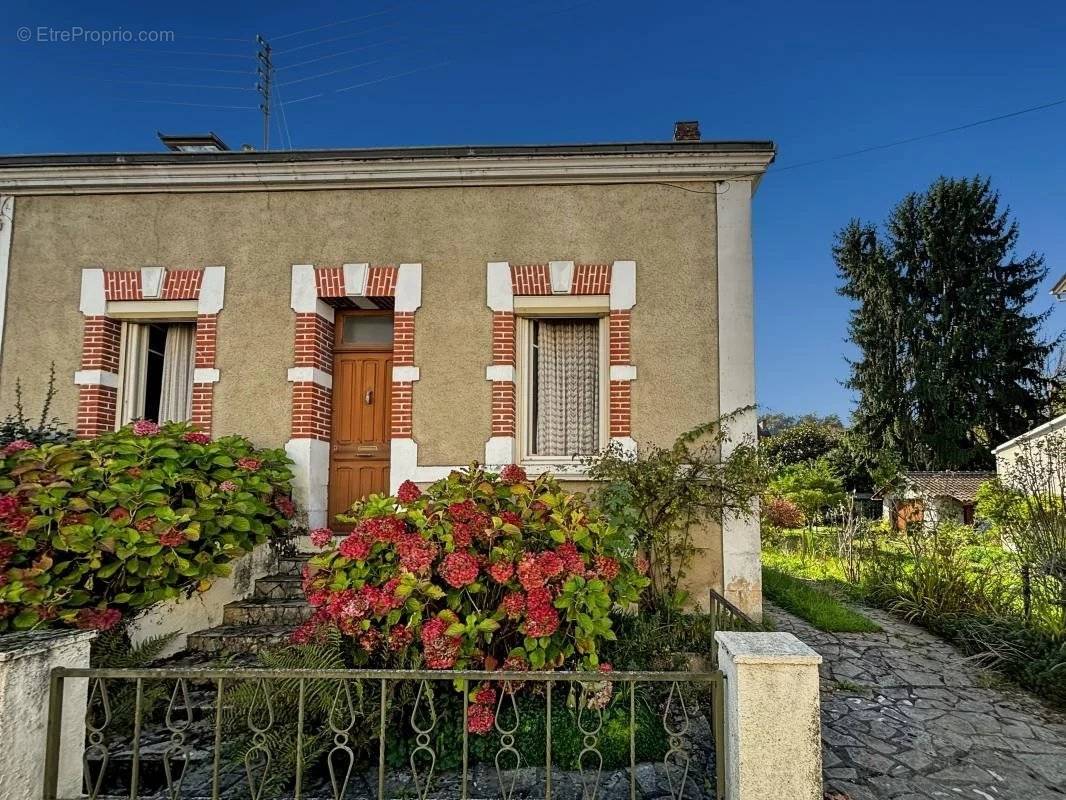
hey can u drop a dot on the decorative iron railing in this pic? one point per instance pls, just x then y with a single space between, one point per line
266 734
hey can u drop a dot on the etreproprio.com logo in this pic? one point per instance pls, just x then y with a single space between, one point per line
76 34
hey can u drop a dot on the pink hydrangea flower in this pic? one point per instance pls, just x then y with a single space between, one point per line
408 492
480 719
228 486
196 437
145 427
321 537
17 445
250 464
512 474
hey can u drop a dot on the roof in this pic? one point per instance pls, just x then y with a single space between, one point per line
381 153
961 486
1059 289
394 167
1048 427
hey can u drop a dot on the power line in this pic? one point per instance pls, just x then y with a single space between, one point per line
340 38
283 116
369 83
333 72
179 85
338 22
178 103
382 43
885 146
194 53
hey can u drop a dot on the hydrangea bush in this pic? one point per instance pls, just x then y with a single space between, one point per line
478 571
94 529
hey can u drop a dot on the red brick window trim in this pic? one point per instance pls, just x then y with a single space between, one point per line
584 279
312 400
98 389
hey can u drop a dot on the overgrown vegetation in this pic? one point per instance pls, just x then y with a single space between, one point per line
45 429
815 605
94 529
655 497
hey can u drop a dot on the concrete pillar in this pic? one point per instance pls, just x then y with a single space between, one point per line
26 662
741 562
773 747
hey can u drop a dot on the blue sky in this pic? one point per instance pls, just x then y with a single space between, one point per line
820 79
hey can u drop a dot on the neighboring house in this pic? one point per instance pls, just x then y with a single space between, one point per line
393 314
1033 444
929 498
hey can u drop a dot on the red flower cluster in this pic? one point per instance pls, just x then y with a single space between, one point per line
512 474
11 517
607 567
571 556
501 571
440 650
529 573
550 564
541 617
172 538
383 529
91 619
196 437
145 427
513 604
228 486
408 492
511 518
480 718
321 537
119 514
400 638
416 554
355 546
459 569
145 524
285 506
16 446
249 464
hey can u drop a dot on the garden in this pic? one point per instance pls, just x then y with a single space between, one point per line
548 601
994 588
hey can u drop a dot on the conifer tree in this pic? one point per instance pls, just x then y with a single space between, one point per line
951 360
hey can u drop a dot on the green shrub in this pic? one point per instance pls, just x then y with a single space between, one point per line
93 529
478 570
816 606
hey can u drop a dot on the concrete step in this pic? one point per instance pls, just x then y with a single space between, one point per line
293 565
239 638
279 587
265 611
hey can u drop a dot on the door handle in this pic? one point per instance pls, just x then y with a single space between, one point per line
368 398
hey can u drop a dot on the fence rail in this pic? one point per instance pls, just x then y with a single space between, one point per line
223 731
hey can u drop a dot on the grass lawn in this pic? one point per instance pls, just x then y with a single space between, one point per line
815 605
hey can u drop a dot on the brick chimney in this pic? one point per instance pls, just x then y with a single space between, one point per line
687 131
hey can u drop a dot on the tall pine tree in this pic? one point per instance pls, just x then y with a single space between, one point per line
950 359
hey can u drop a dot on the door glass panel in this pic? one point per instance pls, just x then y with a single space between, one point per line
376 330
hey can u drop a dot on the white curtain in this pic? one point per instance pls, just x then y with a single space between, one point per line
134 367
175 397
567 387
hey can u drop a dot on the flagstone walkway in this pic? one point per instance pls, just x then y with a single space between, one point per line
906 716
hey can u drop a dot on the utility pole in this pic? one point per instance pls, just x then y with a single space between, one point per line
265 73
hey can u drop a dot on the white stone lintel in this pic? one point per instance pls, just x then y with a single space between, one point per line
355 277
500 372
623 285
205 375
311 375
500 451
408 297
93 297
623 372
212 291
152 282
500 295
96 377
405 374
562 276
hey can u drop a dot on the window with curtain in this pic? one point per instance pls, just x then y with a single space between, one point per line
564 397
157 371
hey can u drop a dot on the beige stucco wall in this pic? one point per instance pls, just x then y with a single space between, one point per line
453 232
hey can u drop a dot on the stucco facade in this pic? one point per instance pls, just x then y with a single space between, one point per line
688 243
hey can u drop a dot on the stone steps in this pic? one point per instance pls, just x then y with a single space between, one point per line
266 618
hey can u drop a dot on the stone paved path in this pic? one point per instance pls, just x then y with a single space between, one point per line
905 716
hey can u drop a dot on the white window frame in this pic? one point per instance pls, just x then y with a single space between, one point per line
528 309
159 312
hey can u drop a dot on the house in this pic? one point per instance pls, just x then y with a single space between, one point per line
392 314
929 498
1042 442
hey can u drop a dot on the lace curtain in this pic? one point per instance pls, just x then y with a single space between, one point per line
567 375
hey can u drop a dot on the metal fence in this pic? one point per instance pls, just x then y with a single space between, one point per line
149 730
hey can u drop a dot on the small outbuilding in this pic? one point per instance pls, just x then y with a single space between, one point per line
932 497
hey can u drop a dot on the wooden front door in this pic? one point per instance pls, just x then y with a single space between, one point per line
360 446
